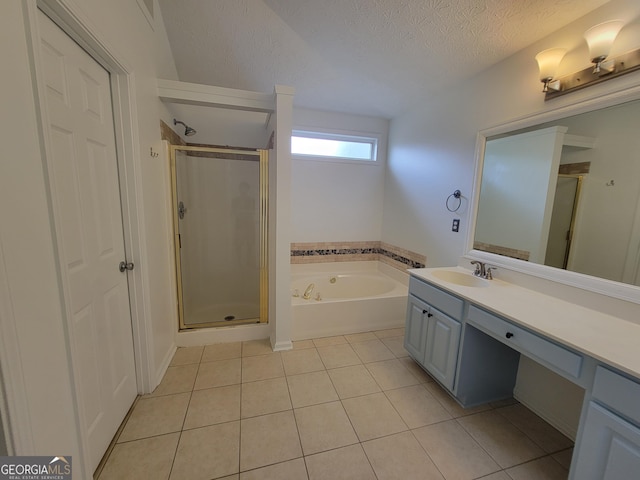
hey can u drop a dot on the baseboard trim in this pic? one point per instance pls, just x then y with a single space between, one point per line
238 333
282 346
166 361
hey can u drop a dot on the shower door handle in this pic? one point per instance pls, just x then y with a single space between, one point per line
181 210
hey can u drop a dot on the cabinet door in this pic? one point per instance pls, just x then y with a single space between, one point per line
415 337
609 449
443 340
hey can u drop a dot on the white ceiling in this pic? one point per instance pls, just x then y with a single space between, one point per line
371 57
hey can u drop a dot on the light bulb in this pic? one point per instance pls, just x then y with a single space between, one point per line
548 62
600 39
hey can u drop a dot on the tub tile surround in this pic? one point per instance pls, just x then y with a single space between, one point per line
321 252
346 406
169 134
504 251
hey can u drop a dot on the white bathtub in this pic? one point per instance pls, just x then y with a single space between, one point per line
364 296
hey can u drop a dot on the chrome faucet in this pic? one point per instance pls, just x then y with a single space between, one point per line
482 270
307 293
488 275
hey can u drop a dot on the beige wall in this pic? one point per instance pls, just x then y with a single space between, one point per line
338 201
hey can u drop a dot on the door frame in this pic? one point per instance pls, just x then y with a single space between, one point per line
75 24
579 178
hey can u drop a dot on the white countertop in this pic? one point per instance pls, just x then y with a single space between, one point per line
606 338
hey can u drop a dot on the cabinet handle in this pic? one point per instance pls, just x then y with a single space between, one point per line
429 315
509 335
424 311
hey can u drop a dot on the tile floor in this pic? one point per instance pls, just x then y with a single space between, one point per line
346 407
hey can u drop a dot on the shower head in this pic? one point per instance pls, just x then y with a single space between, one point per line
188 131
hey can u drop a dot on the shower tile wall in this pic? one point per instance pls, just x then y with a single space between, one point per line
168 134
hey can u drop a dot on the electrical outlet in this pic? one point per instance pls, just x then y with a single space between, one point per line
456 225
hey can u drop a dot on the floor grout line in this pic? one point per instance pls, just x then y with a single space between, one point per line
293 409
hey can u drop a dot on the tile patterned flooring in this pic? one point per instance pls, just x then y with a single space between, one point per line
346 407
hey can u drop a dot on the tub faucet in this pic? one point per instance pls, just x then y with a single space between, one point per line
307 293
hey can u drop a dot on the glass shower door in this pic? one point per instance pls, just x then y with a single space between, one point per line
220 234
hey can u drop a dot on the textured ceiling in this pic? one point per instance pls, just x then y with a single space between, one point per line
372 57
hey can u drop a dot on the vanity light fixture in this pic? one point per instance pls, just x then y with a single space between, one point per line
548 61
600 39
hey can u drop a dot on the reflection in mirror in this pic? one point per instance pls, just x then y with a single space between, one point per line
566 194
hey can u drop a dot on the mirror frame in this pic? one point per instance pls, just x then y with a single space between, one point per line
603 286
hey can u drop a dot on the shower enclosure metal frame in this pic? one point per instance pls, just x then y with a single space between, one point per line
263 158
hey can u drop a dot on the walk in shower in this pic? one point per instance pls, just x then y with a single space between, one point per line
220 226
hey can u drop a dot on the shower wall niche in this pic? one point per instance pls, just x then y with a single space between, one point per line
220 227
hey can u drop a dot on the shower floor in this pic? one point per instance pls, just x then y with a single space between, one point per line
226 312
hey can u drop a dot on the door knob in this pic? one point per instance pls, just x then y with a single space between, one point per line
125 266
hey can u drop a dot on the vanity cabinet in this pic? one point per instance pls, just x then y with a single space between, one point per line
609 446
474 367
415 337
471 341
432 337
553 356
441 352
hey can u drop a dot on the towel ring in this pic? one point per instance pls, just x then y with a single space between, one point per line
458 195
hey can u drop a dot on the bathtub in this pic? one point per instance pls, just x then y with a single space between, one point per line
354 297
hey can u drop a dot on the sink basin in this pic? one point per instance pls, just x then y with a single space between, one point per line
459 278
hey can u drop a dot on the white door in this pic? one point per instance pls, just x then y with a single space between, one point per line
85 195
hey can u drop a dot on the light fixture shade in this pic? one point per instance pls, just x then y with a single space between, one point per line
600 38
548 62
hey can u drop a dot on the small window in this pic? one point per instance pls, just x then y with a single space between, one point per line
333 146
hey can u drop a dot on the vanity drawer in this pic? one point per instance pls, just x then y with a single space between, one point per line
437 298
545 351
618 393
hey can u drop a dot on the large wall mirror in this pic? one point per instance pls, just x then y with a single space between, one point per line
563 194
